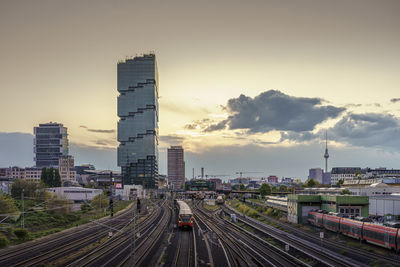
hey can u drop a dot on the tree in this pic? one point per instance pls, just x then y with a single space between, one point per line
265 189
43 176
340 182
242 187
100 201
31 189
311 183
283 188
51 177
346 192
7 204
57 179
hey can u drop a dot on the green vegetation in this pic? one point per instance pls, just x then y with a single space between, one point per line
47 214
245 209
31 189
100 201
210 207
311 183
345 192
21 234
283 188
340 182
265 189
51 177
7 204
3 241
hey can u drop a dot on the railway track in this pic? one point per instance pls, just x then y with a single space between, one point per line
337 246
183 255
105 251
61 244
242 248
314 251
146 246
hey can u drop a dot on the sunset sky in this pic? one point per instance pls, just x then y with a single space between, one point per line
244 85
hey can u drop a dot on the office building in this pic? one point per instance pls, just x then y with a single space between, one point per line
316 174
272 179
50 143
66 169
138 120
176 166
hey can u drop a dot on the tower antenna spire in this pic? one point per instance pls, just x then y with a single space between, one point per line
326 155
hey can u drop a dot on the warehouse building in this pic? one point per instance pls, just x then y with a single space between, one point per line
300 205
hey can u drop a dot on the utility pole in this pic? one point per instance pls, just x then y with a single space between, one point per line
111 197
23 210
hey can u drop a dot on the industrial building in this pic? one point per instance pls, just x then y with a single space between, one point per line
300 205
138 120
200 185
76 194
388 205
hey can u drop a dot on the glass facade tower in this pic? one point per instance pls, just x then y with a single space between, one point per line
50 143
138 120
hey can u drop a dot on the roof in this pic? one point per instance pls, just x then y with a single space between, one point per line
378 185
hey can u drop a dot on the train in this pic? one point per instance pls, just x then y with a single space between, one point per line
185 215
386 235
220 200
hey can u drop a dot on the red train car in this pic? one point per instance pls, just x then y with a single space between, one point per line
331 222
351 228
380 235
316 218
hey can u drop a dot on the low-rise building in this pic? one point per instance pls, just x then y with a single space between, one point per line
76 194
374 190
300 205
345 173
385 205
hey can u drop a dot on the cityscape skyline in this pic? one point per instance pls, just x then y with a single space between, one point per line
344 80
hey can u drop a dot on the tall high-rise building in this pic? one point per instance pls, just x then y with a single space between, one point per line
176 166
50 143
138 120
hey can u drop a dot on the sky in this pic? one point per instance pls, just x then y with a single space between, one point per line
245 86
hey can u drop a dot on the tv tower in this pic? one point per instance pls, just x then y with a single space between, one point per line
326 155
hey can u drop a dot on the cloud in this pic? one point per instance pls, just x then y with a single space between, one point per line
199 124
171 140
367 130
274 110
395 100
97 130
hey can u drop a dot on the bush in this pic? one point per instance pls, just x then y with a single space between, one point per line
21 234
85 207
3 241
269 211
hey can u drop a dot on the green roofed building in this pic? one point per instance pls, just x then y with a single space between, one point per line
300 205
200 185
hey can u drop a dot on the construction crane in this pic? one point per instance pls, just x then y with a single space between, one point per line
246 172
